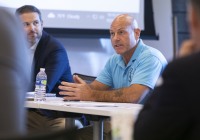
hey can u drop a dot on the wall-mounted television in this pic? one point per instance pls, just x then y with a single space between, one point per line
87 18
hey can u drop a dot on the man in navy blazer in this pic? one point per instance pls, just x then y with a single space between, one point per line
46 52
52 56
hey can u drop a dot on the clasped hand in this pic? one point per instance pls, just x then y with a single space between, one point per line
75 91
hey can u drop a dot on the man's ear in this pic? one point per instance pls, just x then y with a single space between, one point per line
137 33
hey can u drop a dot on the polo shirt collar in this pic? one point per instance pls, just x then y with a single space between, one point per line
137 51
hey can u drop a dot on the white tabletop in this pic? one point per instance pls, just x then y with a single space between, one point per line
84 107
101 109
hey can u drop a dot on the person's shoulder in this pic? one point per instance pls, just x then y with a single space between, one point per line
188 60
186 63
149 51
46 35
51 40
152 51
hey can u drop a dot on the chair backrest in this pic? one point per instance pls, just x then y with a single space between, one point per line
66 134
88 79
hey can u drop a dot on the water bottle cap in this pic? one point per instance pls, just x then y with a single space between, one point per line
42 69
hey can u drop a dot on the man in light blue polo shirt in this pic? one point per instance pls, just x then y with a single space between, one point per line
127 77
144 68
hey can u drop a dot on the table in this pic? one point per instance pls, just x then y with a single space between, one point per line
101 109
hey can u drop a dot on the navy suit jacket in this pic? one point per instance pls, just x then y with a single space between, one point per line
51 55
172 112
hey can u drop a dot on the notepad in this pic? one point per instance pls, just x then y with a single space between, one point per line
30 95
90 104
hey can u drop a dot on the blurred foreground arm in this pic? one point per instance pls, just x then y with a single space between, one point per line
14 75
188 47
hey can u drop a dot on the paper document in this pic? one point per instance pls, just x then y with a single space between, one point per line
89 104
30 95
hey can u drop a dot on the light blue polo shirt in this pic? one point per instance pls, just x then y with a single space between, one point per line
144 67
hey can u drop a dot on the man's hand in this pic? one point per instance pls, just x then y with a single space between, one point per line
75 91
77 79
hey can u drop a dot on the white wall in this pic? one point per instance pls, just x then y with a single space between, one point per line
163 25
88 56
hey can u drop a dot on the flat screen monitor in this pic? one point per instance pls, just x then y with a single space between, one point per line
82 17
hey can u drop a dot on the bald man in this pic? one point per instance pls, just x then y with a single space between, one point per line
128 75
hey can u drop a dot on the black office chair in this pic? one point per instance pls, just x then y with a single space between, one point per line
66 134
88 79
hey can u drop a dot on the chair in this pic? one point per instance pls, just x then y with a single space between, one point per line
66 134
88 79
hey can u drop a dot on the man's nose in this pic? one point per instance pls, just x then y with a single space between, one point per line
31 26
116 37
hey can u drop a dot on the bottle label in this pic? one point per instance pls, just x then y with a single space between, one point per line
40 85
41 82
44 82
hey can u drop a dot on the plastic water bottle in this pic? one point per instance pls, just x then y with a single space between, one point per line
40 85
